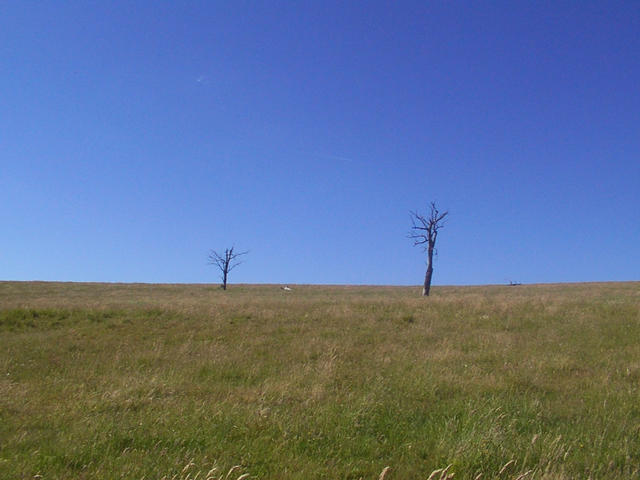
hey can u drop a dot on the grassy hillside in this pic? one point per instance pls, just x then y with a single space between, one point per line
155 381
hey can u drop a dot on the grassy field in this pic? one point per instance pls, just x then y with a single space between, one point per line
132 381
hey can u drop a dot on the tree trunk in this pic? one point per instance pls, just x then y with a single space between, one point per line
428 275
427 282
224 280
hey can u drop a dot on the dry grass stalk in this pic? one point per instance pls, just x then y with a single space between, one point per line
187 473
525 474
506 466
210 473
384 473
231 470
443 472
188 466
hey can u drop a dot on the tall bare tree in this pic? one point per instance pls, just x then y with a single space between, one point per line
225 262
424 231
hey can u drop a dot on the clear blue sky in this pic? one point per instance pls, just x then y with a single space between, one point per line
136 136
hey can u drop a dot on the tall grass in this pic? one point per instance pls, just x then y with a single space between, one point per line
168 381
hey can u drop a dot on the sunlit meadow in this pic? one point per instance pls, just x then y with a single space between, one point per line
105 381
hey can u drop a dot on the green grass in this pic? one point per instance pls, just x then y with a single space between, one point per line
104 381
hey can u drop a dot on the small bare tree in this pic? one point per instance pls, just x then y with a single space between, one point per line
225 263
424 231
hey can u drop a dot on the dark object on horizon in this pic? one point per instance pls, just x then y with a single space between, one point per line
225 263
514 284
424 231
